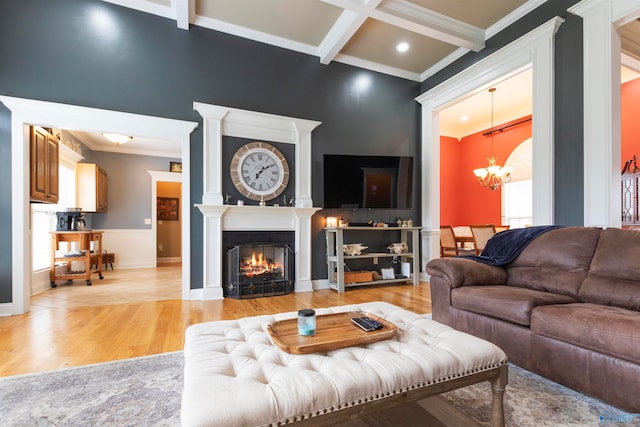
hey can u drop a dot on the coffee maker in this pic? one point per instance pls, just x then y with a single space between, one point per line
70 221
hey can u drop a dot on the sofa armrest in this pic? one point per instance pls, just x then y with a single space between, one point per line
458 272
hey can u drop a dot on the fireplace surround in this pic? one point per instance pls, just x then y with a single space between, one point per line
219 121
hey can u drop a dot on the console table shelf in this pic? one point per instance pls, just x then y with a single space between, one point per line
336 259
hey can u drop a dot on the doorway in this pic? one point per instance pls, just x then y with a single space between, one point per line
168 230
26 111
535 50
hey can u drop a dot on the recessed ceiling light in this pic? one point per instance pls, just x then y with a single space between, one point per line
402 47
464 118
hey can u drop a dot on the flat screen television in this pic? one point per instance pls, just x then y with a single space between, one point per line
352 182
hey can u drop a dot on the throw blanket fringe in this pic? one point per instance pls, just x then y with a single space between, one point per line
505 246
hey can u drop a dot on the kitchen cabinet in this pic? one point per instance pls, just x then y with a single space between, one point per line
91 187
43 156
78 248
337 261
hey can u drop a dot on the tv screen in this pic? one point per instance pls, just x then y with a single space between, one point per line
368 181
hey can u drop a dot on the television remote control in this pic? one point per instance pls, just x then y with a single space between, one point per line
366 323
376 325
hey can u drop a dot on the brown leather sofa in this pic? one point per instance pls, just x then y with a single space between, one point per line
567 308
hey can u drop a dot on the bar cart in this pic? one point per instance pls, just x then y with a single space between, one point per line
82 253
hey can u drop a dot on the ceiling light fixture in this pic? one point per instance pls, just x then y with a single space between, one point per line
493 175
402 47
117 138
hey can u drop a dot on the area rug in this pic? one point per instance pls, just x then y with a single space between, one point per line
532 400
143 391
146 391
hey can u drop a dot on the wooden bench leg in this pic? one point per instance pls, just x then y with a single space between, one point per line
498 386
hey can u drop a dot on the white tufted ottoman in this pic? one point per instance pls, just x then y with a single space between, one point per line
235 376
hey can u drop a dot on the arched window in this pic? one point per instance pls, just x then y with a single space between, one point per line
517 195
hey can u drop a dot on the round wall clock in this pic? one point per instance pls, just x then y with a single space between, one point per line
259 171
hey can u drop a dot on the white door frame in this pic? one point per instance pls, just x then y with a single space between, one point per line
156 177
535 49
27 111
602 141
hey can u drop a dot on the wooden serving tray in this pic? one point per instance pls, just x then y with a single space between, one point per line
333 331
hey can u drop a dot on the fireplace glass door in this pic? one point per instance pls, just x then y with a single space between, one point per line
259 270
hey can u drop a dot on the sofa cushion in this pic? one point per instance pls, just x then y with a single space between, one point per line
608 330
504 302
556 261
614 276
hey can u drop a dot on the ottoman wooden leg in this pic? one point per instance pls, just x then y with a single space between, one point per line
498 385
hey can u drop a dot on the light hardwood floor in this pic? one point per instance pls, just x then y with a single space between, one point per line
139 312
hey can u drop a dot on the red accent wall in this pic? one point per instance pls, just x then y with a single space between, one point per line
630 121
462 200
450 178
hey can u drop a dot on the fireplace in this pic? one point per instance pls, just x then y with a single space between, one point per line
259 270
258 263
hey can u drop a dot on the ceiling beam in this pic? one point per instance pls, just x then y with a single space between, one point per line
428 23
184 11
350 20
402 14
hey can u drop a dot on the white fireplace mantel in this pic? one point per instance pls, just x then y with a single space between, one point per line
222 121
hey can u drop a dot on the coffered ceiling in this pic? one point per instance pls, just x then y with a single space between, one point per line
365 34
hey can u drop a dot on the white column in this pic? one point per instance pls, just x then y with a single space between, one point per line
542 129
212 251
212 152
303 163
602 141
430 185
303 249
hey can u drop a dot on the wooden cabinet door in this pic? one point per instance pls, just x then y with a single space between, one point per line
43 166
91 187
101 195
53 169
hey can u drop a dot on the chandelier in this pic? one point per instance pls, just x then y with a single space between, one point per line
493 176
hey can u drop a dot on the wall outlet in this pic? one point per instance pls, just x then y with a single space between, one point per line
147 221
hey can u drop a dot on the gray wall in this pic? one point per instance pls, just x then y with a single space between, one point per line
144 64
129 189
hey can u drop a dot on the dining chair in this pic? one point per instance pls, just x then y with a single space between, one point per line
500 228
481 234
449 245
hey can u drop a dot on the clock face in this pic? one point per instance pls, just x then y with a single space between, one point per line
259 171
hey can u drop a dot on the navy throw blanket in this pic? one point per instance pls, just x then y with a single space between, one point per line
505 246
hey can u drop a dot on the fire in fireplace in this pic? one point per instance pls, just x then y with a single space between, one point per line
257 265
258 270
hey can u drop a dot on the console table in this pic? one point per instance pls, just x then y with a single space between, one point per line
336 257
83 239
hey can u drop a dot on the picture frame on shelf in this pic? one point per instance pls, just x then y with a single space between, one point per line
175 167
168 208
